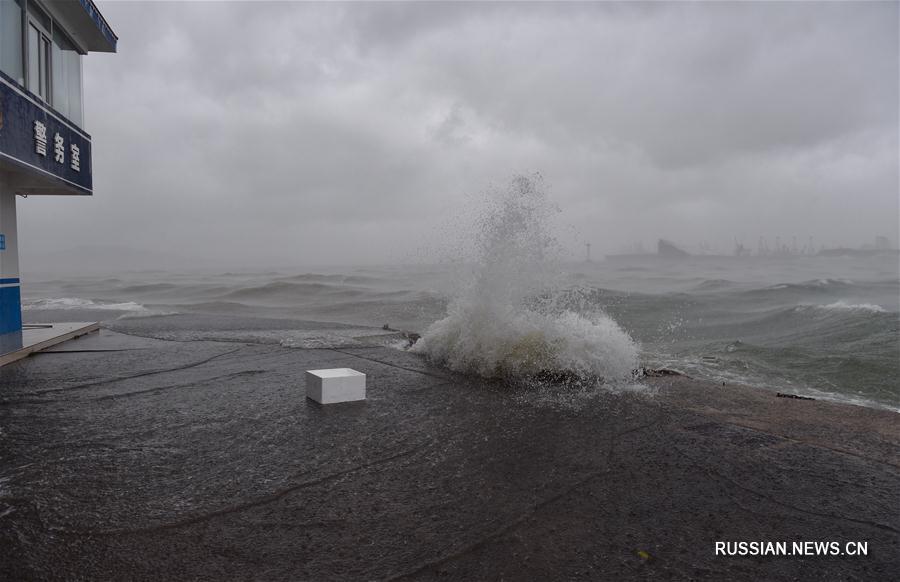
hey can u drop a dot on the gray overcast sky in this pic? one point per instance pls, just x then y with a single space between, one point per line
276 133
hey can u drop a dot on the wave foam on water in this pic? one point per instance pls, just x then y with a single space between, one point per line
78 303
845 306
131 309
505 322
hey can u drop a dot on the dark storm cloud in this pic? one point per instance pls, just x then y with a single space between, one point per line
314 133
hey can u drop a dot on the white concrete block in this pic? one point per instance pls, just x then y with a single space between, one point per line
335 385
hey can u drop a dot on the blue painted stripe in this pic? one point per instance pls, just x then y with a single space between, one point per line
10 309
9 281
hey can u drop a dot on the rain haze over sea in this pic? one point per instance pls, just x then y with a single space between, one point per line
822 326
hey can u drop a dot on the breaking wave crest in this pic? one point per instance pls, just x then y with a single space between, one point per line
77 303
129 309
505 320
846 306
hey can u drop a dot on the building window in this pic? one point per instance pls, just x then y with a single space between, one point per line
38 61
51 65
11 40
66 62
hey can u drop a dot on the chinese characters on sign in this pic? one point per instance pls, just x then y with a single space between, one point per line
40 138
59 152
59 147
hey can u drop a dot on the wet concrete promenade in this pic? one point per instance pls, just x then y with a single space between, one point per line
125 458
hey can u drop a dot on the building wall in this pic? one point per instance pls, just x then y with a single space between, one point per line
10 294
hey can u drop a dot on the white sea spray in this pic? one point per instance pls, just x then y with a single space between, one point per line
505 320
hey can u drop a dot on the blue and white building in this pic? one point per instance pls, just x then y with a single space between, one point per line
44 148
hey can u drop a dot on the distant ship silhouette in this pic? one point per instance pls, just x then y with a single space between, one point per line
668 250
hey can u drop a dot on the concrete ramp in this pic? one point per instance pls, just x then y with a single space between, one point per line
37 337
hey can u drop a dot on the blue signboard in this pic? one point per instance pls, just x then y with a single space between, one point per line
39 140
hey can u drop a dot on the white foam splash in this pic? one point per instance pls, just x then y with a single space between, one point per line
78 303
844 306
504 322
827 282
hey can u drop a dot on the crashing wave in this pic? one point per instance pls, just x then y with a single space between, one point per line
504 321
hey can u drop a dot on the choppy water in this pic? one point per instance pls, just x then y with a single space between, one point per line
511 306
821 326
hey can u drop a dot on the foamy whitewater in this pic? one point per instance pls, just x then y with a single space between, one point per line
504 322
63 303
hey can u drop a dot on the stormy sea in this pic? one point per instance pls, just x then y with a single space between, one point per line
826 327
